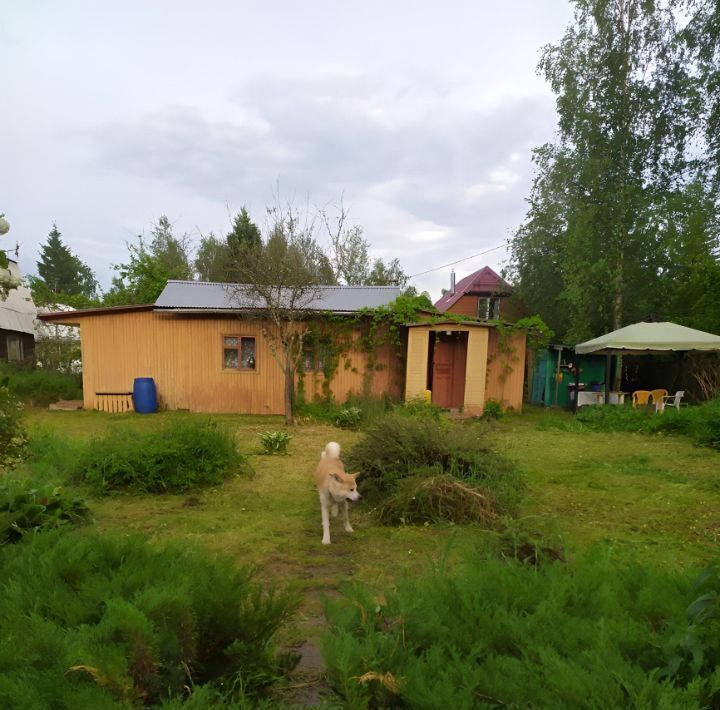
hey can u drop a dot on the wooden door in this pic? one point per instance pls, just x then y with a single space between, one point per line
448 383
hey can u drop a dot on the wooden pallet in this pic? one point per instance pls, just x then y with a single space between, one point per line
114 402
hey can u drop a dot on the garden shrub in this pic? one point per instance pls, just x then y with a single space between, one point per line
40 387
275 442
26 507
13 439
597 634
180 456
349 418
93 621
399 447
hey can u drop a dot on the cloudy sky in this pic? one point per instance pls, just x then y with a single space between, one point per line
423 114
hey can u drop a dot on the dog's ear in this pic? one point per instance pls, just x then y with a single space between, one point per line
335 476
356 474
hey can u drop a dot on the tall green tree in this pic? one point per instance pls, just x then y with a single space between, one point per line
609 195
62 276
213 260
150 265
283 276
244 233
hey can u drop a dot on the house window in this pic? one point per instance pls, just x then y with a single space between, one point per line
238 353
14 348
488 308
313 360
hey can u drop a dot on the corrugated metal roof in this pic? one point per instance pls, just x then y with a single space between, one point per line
209 296
17 311
483 281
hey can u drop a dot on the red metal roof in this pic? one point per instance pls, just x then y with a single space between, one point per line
484 282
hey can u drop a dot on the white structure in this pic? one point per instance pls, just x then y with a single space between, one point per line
17 321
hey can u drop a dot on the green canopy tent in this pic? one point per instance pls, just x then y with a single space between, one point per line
647 339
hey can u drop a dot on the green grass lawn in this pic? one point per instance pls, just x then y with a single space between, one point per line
654 498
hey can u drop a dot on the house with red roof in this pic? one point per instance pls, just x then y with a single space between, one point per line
483 295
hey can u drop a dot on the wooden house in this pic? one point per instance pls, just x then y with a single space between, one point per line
206 351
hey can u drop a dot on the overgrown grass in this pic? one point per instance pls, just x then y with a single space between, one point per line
409 463
40 387
701 423
94 621
597 633
180 456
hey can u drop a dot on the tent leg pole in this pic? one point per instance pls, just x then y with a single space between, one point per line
608 369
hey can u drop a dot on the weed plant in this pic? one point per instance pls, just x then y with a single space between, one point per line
597 634
399 449
13 439
40 387
94 621
27 508
275 442
492 410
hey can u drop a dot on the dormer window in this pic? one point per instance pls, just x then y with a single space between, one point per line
488 308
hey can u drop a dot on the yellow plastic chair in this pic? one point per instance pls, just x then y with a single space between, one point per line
641 398
658 397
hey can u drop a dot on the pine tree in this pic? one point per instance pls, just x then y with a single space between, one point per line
244 233
61 273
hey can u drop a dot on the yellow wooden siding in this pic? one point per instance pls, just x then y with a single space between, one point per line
184 355
386 378
506 370
476 371
417 362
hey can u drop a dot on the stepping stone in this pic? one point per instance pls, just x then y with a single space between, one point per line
67 405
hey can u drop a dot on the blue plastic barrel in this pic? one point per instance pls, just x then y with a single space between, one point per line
145 395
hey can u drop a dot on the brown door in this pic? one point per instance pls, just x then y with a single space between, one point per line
448 384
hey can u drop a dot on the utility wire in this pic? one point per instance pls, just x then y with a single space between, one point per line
452 263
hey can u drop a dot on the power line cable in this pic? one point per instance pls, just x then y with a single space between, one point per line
459 261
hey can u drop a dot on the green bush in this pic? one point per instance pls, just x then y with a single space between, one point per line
13 440
180 456
399 447
499 633
40 387
94 621
275 442
25 508
349 418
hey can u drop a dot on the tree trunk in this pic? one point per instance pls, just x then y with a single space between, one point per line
289 389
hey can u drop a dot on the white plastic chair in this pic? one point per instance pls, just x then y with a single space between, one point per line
672 400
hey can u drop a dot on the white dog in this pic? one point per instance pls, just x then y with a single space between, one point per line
334 486
332 450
